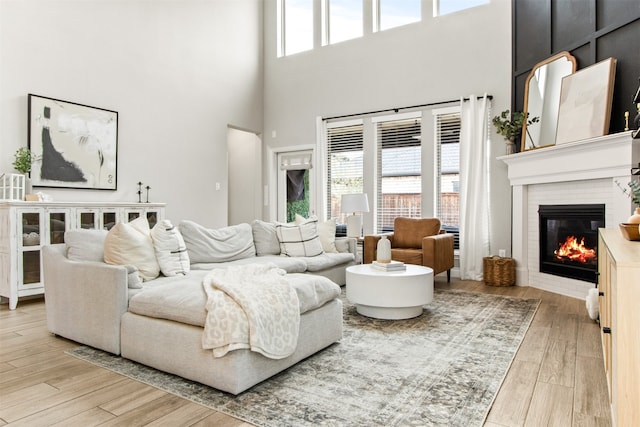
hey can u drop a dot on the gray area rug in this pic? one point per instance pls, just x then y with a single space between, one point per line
442 368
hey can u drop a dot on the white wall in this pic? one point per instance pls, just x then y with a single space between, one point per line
177 72
436 60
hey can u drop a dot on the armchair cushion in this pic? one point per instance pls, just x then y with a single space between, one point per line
408 232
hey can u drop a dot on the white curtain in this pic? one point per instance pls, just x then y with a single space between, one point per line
474 186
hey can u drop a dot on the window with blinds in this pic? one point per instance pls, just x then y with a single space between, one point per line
447 125
399 171
344 166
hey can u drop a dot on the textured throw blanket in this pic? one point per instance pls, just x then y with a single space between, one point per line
251 307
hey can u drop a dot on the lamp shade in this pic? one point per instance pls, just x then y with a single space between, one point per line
354 203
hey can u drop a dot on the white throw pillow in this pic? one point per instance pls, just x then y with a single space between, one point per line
171 251
85 245
299 240
264 238
326 232
130 243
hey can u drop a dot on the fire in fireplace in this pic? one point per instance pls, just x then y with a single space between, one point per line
569 240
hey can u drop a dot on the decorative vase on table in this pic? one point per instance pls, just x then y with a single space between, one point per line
635 218
383 250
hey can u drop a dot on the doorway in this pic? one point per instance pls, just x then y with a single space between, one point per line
244 171
296 185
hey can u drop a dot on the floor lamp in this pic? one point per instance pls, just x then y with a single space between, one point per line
353 203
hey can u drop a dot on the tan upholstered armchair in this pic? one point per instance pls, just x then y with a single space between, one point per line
416 241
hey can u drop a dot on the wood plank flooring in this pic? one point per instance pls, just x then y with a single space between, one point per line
556 379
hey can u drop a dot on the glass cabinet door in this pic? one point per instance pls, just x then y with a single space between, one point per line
109 219
153 217
31 228
87 220
58 224
29 251
131 215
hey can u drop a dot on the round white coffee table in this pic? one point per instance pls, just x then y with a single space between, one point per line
389 295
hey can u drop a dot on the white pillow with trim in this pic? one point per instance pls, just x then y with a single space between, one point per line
326 232
170 249
299 240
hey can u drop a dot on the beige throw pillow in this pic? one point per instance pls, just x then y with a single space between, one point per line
130 243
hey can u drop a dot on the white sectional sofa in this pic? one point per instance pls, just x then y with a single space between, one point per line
159 322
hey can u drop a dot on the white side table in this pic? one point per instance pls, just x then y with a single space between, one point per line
389 295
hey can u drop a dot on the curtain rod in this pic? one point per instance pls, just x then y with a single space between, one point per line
395 110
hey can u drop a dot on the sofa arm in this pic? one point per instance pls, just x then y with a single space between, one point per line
370 247
347 244
84 300
437 252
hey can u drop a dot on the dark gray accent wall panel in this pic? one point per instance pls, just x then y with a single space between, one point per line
592 30
614 12
572 20
531 18
623 44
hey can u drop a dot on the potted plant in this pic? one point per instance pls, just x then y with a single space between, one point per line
510 126
22 164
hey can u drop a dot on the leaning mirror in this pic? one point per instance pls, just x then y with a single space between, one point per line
542 99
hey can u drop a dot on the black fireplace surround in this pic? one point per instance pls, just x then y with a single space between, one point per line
569 240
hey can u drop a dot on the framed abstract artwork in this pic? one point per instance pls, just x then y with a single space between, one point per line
73 145
585 102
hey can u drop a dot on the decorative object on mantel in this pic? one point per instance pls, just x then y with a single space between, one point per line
510 126
585 102
542 99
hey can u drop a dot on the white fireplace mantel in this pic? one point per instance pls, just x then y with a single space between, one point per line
567 173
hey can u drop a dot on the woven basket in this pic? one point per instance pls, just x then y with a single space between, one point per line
499 271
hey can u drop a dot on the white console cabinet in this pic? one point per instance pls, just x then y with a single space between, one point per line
25 227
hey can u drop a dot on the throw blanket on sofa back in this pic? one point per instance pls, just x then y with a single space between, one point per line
251 307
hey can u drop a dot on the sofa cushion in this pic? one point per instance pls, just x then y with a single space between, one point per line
326 231
217 245
130 243
264 238
288 264
324 261
182 298
85 245
170 249
178 298
299 240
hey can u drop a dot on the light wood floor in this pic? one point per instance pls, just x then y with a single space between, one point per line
556 379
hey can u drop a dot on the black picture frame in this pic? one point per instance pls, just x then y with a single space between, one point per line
73 145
